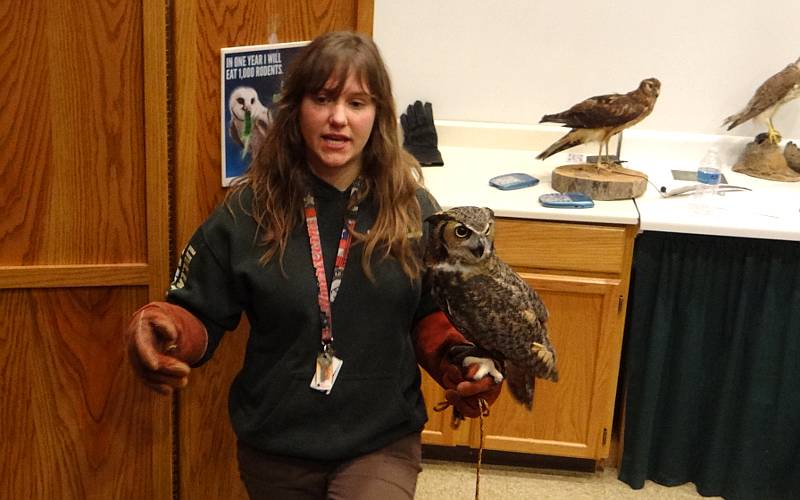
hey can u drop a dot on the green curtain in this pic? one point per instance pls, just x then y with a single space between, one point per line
712 364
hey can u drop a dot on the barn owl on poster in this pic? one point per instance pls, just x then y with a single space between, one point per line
249 119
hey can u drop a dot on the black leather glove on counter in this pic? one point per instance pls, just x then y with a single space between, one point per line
419 134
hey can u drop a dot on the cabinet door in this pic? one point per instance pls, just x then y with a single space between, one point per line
572 417
438 430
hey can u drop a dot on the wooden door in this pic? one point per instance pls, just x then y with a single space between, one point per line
207 453
83 243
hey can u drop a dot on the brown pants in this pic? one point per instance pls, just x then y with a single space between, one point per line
387 474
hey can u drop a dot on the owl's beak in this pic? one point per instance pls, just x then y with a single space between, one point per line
482 249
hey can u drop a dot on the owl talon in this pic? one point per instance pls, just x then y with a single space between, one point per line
486 367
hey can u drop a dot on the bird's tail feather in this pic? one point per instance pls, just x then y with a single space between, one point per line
733 121
554 118
570 140
521 384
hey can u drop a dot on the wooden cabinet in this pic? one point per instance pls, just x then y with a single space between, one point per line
581 272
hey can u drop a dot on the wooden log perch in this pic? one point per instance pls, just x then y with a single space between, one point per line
610 182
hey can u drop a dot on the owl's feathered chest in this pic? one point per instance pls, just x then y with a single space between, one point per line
449 277
488 303
453 274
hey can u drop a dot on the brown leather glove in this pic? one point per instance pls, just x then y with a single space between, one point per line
435 339
163 340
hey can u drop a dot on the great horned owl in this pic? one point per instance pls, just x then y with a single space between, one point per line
486 300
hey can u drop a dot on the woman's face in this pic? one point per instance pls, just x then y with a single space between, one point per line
336 128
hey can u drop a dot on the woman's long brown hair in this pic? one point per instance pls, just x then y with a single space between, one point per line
278 175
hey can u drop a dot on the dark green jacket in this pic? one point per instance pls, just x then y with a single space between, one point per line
376 398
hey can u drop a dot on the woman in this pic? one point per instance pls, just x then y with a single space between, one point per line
319 245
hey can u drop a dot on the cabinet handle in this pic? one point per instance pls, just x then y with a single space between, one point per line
620 303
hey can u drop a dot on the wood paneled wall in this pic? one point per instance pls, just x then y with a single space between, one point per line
207 460
83 236
90 142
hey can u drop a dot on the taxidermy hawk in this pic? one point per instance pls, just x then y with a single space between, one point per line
776 91
487 301
599 118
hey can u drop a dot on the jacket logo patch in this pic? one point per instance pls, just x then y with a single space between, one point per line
179 280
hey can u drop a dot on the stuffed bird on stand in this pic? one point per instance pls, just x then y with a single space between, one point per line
599 118
776 91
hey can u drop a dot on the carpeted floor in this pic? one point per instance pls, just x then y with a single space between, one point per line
443 480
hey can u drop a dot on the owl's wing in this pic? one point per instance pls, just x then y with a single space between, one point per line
234 132
537 352
499 312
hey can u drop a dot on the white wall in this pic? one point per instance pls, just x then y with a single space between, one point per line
513 61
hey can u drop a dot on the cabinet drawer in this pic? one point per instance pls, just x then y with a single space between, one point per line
561 246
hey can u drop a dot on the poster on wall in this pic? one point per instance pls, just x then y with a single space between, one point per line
252 77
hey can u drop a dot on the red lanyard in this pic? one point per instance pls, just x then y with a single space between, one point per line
324 298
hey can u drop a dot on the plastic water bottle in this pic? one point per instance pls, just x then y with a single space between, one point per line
708 178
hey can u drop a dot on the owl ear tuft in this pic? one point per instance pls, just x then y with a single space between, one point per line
437 217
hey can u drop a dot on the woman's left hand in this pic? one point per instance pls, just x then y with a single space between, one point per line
464 392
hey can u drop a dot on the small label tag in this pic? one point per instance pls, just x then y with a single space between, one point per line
576 157
327 369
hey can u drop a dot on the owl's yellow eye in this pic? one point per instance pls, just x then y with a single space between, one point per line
462 231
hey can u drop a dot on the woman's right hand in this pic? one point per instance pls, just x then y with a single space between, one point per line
162 340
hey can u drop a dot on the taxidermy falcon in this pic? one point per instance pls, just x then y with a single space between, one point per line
776 91
599 118
487 301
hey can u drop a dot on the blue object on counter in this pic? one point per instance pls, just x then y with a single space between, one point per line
566 200
516 180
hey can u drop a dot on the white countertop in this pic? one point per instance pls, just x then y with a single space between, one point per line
770 211
464 180
475 152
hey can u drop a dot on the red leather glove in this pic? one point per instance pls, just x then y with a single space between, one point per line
464 393
163 340
435 336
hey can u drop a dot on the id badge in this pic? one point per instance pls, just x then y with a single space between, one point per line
325 373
